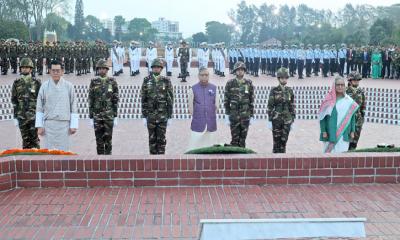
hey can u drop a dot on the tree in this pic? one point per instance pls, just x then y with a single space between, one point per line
218 32
14 29
94 27
54 22
199 38
381 31
79 26
245 19
140 29
119 21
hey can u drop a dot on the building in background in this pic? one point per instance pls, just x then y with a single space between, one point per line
167 30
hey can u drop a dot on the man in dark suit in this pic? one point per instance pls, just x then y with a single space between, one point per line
366 58
350 55
386 60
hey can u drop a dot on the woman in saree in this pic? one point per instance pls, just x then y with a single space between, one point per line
376 60
337 118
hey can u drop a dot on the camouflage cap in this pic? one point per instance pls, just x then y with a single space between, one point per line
157 63
239 65
282 73
354 75
26 62
102 64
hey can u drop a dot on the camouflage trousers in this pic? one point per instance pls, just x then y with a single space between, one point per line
14 64
39 66
29 135
103 130
4 66
354 141
157 139
239 129
184 68
280 135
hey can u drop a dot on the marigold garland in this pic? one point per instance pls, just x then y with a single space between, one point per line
34 151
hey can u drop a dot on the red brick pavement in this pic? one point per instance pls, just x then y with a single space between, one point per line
174 213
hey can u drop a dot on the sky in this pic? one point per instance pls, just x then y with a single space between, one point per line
192 15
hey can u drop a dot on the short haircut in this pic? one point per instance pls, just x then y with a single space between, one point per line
56 62
201 69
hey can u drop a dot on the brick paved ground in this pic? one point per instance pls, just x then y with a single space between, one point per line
174 213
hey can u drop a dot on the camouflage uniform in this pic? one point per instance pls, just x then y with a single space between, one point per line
13 53
239 106
281 112
358 96
4 57
23 97
48 54
184 55
78 59
396 63
157 104
103 108
39 55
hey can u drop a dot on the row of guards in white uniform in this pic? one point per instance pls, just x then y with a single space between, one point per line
117 57
218 56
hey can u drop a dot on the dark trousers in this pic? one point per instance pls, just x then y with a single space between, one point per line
300 67
341 66
365 70
263 65
308 67
325 67
285 62
273 66
292 66
316 66
256 66
332 65
350 66
385 68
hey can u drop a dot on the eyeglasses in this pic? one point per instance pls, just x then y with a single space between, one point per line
56 70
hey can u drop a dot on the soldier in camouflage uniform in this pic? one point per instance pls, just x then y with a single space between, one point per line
157 104
239 105
358 96
103 107
281 111
13 53
396 63
48 54
39 56
4 57
184 55
78 58
23 97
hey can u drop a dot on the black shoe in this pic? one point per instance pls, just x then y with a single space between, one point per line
183 80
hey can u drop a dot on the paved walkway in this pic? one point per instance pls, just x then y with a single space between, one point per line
174 213
131 137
